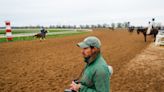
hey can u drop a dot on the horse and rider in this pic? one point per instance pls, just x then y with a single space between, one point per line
42 34
150 30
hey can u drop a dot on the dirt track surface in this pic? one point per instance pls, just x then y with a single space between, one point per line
144 73
51 65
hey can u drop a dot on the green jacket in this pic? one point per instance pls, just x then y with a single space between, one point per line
96 76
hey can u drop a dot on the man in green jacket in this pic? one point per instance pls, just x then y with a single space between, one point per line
96 74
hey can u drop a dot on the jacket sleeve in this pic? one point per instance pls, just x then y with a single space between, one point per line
100 80
84 88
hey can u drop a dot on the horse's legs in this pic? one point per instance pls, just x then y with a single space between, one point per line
145 37
154 37
40 39
44 36
155 32
138 32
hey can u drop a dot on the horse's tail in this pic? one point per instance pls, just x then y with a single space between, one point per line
34 36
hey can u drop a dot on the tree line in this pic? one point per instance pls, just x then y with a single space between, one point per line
86 26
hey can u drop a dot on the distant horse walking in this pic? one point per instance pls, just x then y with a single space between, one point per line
131 29
153 32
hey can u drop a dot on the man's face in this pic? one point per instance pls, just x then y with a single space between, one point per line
86 52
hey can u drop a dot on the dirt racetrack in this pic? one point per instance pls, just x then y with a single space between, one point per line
51 65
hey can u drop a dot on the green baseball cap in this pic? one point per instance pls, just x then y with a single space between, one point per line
90 41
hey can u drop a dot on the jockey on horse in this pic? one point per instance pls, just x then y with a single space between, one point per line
151 26
150 30
43 32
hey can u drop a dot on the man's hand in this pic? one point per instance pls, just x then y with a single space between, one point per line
75 86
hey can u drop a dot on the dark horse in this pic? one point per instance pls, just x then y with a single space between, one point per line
41 35
154 32
131 29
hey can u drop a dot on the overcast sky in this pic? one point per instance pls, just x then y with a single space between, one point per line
76 12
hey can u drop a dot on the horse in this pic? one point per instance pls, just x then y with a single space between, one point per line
131 29
154 32
41 35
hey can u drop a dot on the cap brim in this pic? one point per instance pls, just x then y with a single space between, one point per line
82 45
